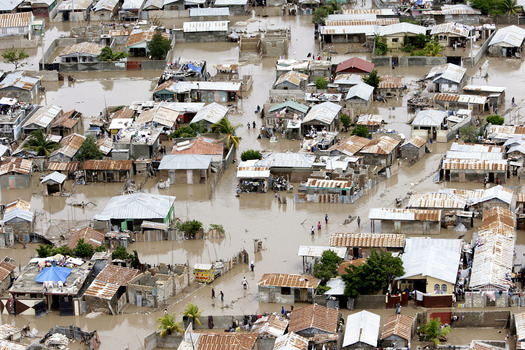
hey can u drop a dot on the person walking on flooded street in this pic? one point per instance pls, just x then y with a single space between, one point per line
313 230
244 283
212 293
326 219
222 295
359 221
319 226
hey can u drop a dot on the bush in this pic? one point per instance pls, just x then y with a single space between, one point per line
372 79
321 83
469 133
250 154
380 47
495 120
190 227
345 120
89 150
83 249
361 130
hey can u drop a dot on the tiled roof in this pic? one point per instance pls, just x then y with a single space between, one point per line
226 341
373 240
314 316
355 62
90 236
288 280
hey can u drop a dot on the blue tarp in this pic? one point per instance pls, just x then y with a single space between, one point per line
194 69
53 273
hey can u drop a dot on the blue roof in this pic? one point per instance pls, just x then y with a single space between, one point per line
54 274
292 104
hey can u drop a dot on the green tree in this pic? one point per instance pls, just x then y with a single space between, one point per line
44 251
190 130
361 130
469 133
487 7
420 40
495 120
372 79
89 150
510 7
320 15
225 128
192 312
433 48
434 332
381 47
168 325
345 120
121 254
159 46
327 266
190 227
321 83
37 142
15 57
374 276
108 55
250 154
83 249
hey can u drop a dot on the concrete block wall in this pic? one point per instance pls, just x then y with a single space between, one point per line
486 319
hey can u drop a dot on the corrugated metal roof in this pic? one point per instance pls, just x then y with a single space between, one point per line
476 148
511 36
16 165
141 36
399 28
222 341
473 164
163 115
348 79
105 5
372 240
314 316
271 325
429 118
325 113
289 104
132 4
8 345
451 28
340 184
154 225
118 275
484 88
337 286
355 62
83 48
361 22
291 341
447 71
370 120
5 270
288 280
185 162
7 330
188 86
378 12
474 155
287 160
107 164
365 16
292 77
89 235
520 197
54 178
390 82
205 26
437 201
67 5
212 113
337 30
70 145
404 214
436 258
137 206
505 131
19 80
459 9
381 145
44 116
18 213
209 12
253 172
499 220
416 141
469 99
350 145
63 166
19 203
362 327
400 325
317 251
21 19
102 290
230 2
361 90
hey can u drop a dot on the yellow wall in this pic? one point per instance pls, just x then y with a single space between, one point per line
431 281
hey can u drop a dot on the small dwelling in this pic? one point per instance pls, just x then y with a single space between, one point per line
186 168
360 245
107 170
359 97
149 290
361 331
21 86
104 10
413 149
19 220
16 24
474 170
373 122
408 221
394 35
7 275
428 122
382 151
323 116
90 236
494 94
431 265
253 178
314 320
291 80
355 65
451 34
86 52
284 288
68 123
53 183
507 42
446 78
42 119
206 31
271 326
291 341
326 191
475 103
390 86
237 7
15 172
69 147
397 332
210 114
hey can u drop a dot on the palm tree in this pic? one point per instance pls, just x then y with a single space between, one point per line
38 142
433 331
108 55
192 311
168 325
225 128
510 7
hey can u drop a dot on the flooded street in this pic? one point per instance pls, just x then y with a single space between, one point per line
281 227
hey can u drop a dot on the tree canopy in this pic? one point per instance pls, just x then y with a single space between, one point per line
190 227
190 130
495 120
16 57
321 83
374 276
108 55
433 331
159 46
250 154
37 142
372 79
327 266
323 11
89 150
168 325
192 312
225 128
361 130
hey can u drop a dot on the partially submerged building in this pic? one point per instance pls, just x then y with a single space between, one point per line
324 116
198 91
315 322
16 24
474 170
149 290
21 86
42 119
359 97
397 331
360 245
107 170
15 172
326 191
381 151
355 65
53 184
413 149
90 236
85 52
407 221
18 221
507 42
186 168
287 288
446 78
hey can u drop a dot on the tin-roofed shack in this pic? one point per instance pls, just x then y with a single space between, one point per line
360 245
287 288
407 221
362 331
20 85
53 184
147 290
413 149
382 151
474 170
186 168
34 298
314 321
286 117
198 91
495 94
271 326
326 191
390 86
253 178
90 236
107 170
68 123
293 167
18 220
109 289
15 172
397 331
7 275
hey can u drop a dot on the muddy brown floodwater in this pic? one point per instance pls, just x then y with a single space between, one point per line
282 228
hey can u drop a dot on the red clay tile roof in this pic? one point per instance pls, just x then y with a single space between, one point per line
202 145
227 341
288 280
91 236
107 164
314 316
355 62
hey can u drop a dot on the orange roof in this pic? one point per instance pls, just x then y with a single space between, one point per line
89 235
390 82
107 164
117 275
288 280
68 119
19 203
5 270
146 36
341 270
374 240
400 325
16 165
314 316
202 145
123 113
226 341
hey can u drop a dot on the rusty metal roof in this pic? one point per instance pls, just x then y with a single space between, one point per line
144 36
416 141
520 326
361 22
20 19
117 274
437 200
291 341
89 48
16 165
400 325
469 99
292 77
520 197
390 82
341 270
89 235
341 184
68 119
102 290
271 325
373 240
350 146
500 220
477 148
19 80
451 28
288 280
370 120
226 341
314 316
107 164
5 270
70 145
381 145
404 214
63 166
473 164
378 12
18 204
6 331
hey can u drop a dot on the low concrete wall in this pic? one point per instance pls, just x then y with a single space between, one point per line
154 341
383 61
18 42
406 61
219 322
486 319
167 14
472 61
93 66
370 302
